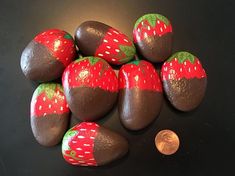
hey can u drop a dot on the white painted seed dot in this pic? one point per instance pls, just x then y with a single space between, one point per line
80 156
185 63
125 40
158 22
87 152
149 28
49 106
92 137
74 142
144 81
65 42
161 29
151 75
154 32
51 33
117 50
54 111
61 108
145 34
82 129
136 78
164 26
181 69
131 66
189 70
138 69
87 145
113 59
44 98
56 100
47 41
66 59
115 32
142 23
115 40
81 137
109 33
106 52
138 29
43 33
195 68
175 59
106 41
108 47
100 54
44 114
40 107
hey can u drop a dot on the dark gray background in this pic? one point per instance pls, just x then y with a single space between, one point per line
206 28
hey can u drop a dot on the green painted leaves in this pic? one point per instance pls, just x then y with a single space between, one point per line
48 88
182 56
129 51
152 19
67 136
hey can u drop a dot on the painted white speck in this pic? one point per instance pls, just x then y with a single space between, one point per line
107 52
44 98
145 34
138 29
189 69
185 63
81 137
40 107
108 47
61 108
142 23
100 54
125 40
106 41
113 59
54 111
92 137
62 51
47 41
181 69
44 114
87 152
109 33
158 22
91 159
77 148
87 145
175 59
149 28
51 33
115 32
195 68
82 129
70 159
138 69
115 40
49 106
117 50
65 42
144 81
56 100
92 130
164 26
66 59
154 32
136 78
161 29
43 33
165 68
80 156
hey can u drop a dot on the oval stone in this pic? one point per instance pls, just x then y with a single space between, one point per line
94 38
49 114
153 37
184 81
140 94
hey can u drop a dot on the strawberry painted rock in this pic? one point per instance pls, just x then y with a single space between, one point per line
88 144
140 94
49 114
91 87
153 37
47 55
98 39
184 81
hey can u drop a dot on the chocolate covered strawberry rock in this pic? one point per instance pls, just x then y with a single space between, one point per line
91 87
47 55
98 39
49 114
140 94
184 80
88 144
153 37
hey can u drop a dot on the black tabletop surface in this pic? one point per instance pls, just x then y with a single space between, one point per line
205 28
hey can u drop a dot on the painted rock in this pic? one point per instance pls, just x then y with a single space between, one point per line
184 81
140 94
91 87
47 55
88 144
98 39
49 114
153 37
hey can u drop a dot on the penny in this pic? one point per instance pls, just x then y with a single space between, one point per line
167 142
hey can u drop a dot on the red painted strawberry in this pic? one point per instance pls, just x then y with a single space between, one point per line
153 37
98 39
49 114
140 94
184 80
91 87
47 55
88 144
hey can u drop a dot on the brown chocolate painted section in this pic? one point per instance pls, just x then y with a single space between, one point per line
109 146
89 35
155 48
38 64
89 104
49 130
138 108
185 94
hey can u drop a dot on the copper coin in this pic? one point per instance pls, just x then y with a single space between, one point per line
167 142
